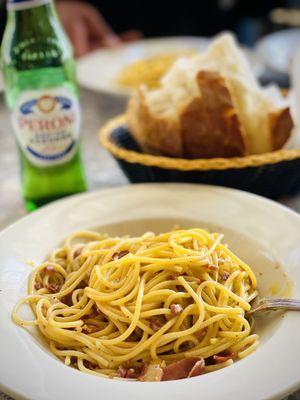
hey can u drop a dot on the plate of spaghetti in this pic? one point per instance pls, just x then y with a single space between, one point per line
147 290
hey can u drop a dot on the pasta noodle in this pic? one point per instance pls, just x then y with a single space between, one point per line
111 306
149 71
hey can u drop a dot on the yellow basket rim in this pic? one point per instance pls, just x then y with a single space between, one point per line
182 164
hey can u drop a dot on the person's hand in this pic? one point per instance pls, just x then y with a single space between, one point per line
87 29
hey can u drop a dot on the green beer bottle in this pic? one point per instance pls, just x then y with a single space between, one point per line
41 93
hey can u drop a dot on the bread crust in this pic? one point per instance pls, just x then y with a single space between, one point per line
210 123
155 134
281 125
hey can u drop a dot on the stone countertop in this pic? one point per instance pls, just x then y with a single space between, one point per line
102 170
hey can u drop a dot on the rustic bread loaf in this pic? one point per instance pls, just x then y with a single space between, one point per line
208 106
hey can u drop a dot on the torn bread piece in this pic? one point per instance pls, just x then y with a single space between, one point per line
155 133
210 124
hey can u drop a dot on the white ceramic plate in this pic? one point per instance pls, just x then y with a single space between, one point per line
262 232
99 70
277 49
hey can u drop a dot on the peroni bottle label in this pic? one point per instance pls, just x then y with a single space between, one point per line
47 124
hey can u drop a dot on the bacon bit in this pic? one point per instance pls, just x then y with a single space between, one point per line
89 364
98 311
133 337
225 276
175 309
78 252
87 329
151 373
119 254
174 276
197 369
128 373
49 270
144 368
90 315
132 373
73 361
121 372
212 267
157 321
199 334
220 358
82 285
210 361
38 286
67 299
180 369
53 288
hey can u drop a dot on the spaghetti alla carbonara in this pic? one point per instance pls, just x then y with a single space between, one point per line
154 307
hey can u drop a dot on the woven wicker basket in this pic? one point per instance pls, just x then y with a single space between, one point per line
272 175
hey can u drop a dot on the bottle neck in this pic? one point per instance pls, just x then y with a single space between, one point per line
33 32
32 15
34 19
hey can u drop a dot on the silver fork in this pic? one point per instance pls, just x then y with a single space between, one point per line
266 304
